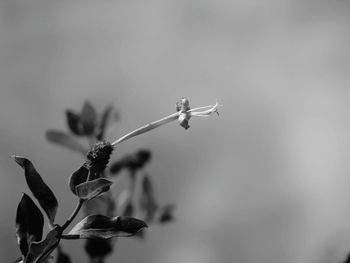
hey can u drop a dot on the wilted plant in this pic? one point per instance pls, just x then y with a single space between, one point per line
90 184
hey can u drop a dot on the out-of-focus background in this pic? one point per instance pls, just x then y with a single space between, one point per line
266 182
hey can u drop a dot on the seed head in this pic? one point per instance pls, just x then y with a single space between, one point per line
99 155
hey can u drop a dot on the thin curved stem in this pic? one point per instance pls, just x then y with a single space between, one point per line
196 112
147 127
74 214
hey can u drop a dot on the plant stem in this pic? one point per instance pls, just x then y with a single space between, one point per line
195 112
74 214
147 127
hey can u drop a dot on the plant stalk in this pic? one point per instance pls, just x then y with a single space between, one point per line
74 214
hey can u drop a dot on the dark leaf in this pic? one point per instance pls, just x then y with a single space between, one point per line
62 257
147 200
91 189
39 188
103 227
65 140
167 213
131 162
40 251
104 122
74 123
78 177
29 223
116 167
98 247
88 118
143 156
127 162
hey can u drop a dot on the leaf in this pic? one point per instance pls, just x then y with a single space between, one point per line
167 213
78 177
147 200
104 122
91 189
103 227
62 257
131 162
127 162
143 156
74 123
65 140
39 188
98 248
40 251
29 223
88 118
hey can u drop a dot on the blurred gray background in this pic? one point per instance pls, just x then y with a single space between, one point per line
266 182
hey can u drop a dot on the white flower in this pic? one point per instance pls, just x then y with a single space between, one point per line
183 115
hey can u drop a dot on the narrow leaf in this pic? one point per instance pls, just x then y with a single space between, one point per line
39 188
29 223
74 123
78 177
147 199
65 140
40 251
88 118
91 189
104 122
103 227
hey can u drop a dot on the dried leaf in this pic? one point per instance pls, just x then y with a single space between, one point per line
65 140
78 177
29 223
39 188
40 251
74 123
88 118
91 189
103 227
